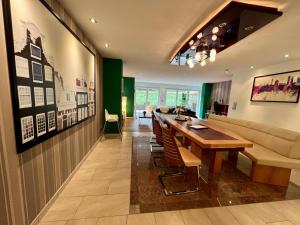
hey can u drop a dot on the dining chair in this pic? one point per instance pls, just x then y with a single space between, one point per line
111 118
158 144
153 136
180 157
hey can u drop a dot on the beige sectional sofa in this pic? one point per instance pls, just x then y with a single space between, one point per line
275 150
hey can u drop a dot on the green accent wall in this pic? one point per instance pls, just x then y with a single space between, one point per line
112 90
205 103
128 91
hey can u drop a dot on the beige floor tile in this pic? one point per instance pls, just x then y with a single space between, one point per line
168 218
281 223
267 212
54 223
245 216
64 208
195 217
124 163
105 205
141 219
115 220
113 174
92 221
85 188
220 216
290 209
106 164
121 186
84 174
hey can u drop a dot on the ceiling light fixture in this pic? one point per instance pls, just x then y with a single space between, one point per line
286 56
252 67
215 30
106 45
93 20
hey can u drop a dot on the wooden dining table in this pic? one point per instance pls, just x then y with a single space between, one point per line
215 140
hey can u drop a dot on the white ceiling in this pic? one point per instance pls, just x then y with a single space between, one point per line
144 35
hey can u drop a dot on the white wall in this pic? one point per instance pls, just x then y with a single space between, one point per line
285 115
163 87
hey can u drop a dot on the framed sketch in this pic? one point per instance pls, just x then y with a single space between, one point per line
49 66
279 87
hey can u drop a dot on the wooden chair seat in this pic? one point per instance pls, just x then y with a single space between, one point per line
188 157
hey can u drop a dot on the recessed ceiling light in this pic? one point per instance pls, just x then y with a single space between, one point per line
106 45
93 20
249 28
222 24
227 71
286 56
251 67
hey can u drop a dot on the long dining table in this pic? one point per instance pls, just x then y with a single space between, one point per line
216 140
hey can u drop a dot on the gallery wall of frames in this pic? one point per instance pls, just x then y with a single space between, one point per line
52 73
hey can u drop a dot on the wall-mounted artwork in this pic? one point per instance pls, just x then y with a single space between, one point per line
52 72
280 87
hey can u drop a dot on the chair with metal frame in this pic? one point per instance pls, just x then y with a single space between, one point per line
178 156
158 145
109 118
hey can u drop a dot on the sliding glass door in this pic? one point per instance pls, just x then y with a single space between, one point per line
145 97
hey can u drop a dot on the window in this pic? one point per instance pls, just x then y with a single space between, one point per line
35 51
51 120
182 98
50 96
24 94
48 73
193 100
27 129
39 96
41 124
153 95
37 72
171 96
22 68
141 96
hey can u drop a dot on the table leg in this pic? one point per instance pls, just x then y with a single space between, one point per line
215 164
196 150
233 156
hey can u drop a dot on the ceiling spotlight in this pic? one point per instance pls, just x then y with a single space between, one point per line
193 47
203 63
106 45
227 71
213 52
198 56
200 35
222 24
215 30
214 37
286 56
191 42
212 58
249 28
93 20
191 65
252 67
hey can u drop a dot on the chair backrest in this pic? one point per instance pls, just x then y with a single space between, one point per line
158 132
106 115
171 151
153 123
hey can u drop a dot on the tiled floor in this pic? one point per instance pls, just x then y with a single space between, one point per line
98 194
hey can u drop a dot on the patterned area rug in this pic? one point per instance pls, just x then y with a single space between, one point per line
230 187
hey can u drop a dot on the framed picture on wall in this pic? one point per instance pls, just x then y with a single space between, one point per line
49 66
279 87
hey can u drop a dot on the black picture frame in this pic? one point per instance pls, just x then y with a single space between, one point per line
19 113
274 75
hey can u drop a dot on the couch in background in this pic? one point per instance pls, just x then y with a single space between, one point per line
182 111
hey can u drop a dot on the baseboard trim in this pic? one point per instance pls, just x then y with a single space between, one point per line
43 212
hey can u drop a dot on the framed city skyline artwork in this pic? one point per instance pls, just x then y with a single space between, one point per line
52 72
279 87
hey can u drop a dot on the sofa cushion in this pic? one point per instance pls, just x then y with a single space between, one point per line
264 156
282 141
